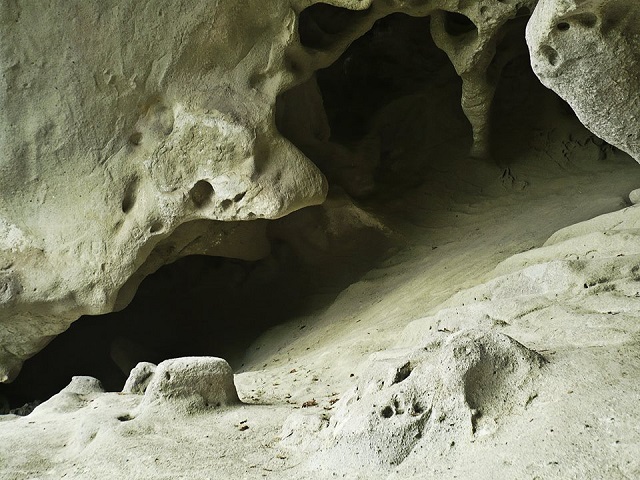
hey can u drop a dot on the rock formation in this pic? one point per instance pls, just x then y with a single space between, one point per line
588 52
457 256
162 119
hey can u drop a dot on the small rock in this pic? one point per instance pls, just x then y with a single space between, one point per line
83 386
73 397
634 196
196 382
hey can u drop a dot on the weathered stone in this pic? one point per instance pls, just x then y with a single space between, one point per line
588 52
453 391
162 116
193 382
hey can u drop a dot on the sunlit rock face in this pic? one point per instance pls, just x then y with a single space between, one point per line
127 128
588 51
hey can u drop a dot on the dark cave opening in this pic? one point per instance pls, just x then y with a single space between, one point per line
203 306
357 116
395 58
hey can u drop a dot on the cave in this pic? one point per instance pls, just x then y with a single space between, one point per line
393 90
460 274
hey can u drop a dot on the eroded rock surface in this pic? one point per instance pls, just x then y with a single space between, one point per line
446 393
588 52
139 378
196 382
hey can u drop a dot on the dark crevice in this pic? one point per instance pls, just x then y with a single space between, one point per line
456 24
354 117
321 24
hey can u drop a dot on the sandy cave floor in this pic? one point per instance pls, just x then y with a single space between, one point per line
451 231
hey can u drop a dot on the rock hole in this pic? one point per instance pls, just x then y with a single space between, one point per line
201 194
563 26
125 418
225 204
550 54
387 412
135 138
402 373
156 227
456 24
239 196
523 12
321 24
129 197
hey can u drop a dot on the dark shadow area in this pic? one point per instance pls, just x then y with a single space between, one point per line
202 305
527 117
391 92
395 59
196 306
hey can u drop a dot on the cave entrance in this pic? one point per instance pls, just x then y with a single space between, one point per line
198 305
385 124
392 90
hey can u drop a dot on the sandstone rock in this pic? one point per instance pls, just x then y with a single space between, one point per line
408 401
588 52
191 383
